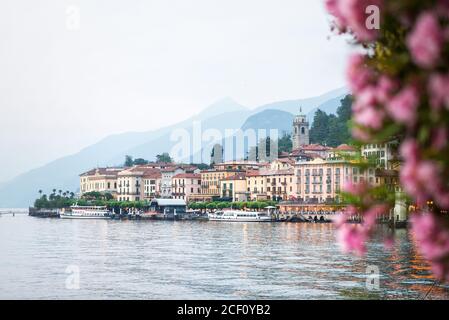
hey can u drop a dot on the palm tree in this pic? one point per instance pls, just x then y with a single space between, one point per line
40 193
72 195
59 191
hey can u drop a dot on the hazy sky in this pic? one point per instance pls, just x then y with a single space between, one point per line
137 65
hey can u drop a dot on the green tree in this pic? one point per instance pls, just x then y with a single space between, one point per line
140 161
164 157
320 128
333 130
129 162
285 143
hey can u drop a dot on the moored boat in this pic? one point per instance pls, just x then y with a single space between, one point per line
240 216
86 212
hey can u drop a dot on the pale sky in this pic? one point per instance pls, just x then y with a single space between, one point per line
137 65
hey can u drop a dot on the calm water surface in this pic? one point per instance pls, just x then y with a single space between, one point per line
199 260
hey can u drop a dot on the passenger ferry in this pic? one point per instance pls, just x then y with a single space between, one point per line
86 212
239 216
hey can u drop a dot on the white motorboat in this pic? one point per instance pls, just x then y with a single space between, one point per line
86 212
239 216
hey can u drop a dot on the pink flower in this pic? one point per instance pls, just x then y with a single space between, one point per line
426 40
360 134
340 219
423 180
370 216
389 243
352 14
365 111
357 189
385 88
410 150
439 91
333 7
358 74
432 239
352 238
370 117
403 107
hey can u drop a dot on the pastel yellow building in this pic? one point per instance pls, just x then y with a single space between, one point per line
210 184
234 187
102 180
272 184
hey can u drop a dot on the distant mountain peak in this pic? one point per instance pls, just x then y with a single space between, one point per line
223 105
224 113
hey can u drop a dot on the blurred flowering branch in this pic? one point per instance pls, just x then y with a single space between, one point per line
400 84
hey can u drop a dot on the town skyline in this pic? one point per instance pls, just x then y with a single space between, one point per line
154 56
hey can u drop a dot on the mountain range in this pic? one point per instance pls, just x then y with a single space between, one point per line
63 173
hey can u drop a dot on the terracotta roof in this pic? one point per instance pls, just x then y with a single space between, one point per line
314 147
272 172
187 176
143 170
152 173
286 160
344 147
113 171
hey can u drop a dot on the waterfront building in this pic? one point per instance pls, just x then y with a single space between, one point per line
256 185
272 184
129 184
341 151
320 180
234 187
316 150
166 183
282 164
152 180
184 185
210 184
300 133
102 180
308 152
381 153
167 176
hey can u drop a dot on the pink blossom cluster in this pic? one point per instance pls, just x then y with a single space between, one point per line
353 237
421 178
432 238
426 40
379 97
402 82
352 15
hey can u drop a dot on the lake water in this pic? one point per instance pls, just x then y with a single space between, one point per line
39 259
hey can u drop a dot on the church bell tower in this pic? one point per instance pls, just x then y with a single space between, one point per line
300 134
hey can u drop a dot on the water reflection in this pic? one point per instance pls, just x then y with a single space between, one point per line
201 260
